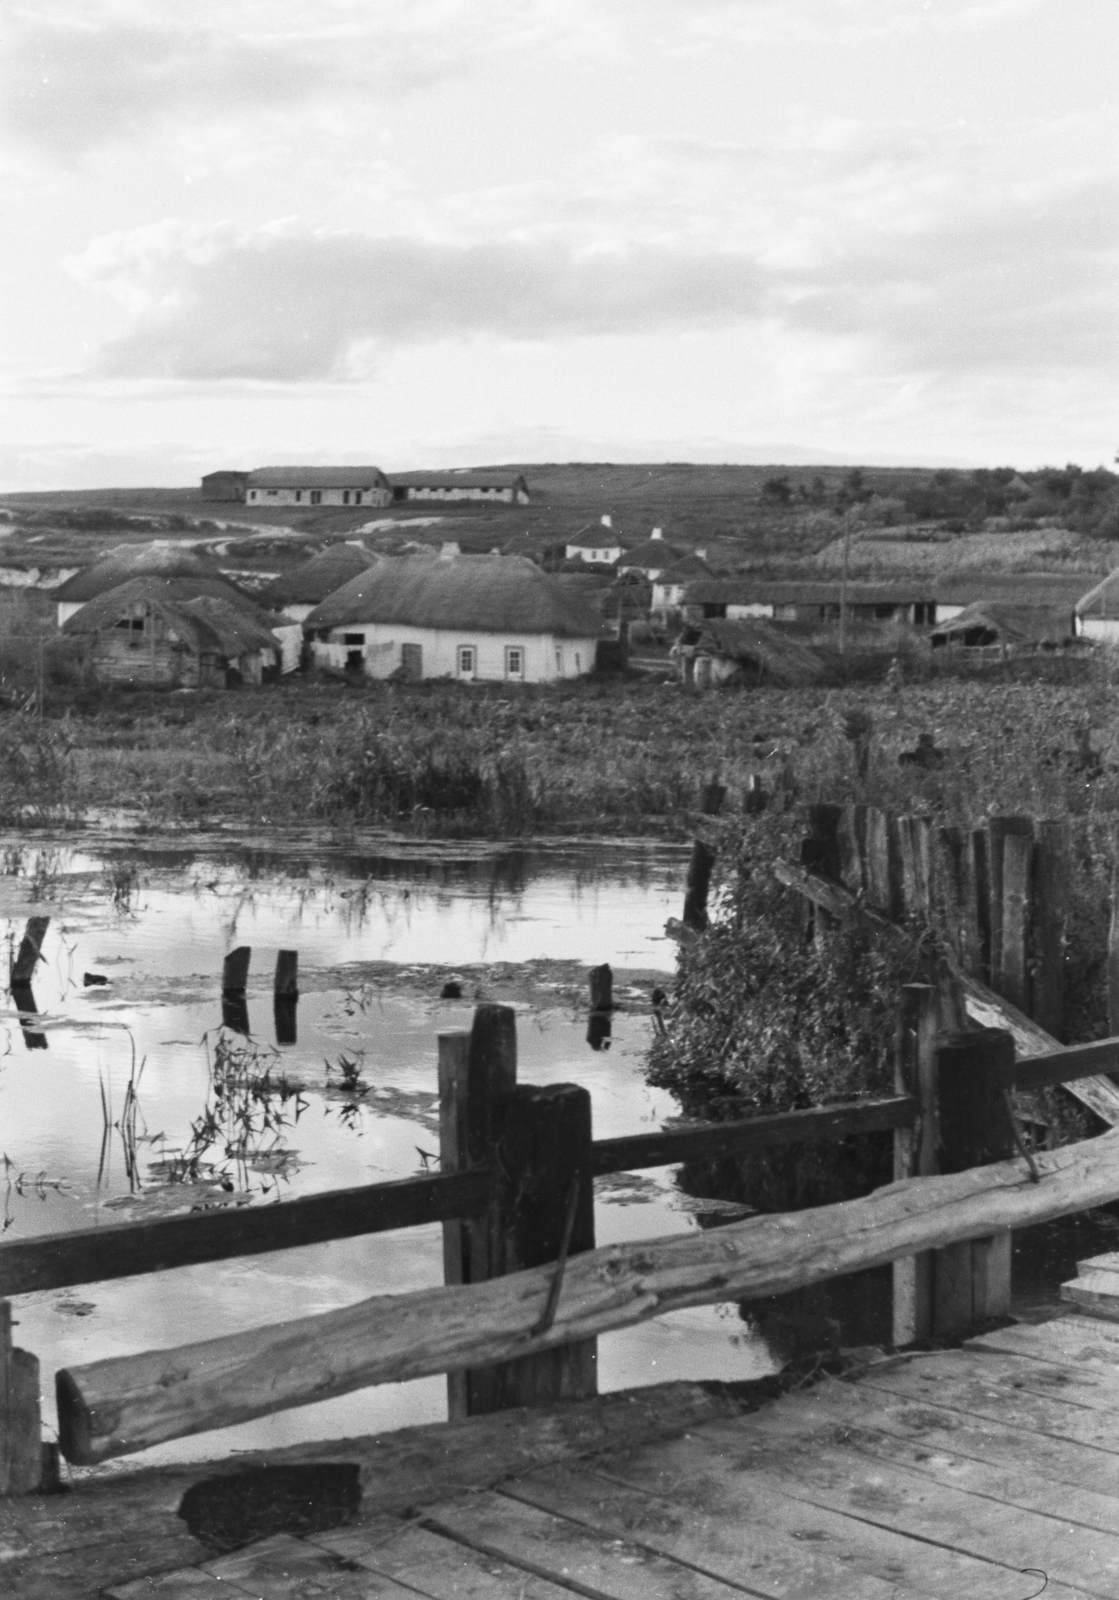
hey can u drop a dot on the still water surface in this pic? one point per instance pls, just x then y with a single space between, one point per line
99 1090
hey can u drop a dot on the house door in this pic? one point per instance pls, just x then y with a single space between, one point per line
412 662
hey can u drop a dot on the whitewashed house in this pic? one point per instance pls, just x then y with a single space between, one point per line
597 545
1097 612
317 486
159 558
652 558
480 619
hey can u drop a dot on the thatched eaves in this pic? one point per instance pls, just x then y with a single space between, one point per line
311 581
212 621
485 594
763 650
160 559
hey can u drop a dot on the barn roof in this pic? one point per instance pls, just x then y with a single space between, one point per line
772 651
318 577
689 568
162 558
212 623
1029 624
1011 588
453 478
490 594
365 477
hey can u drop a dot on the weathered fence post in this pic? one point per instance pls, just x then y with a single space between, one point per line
702 862
26 1464
547 1209
1113 945
1050 925
285 996
477 1076
972 1280
915 1151
1010 847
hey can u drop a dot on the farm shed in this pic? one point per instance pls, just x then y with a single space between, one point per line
1044 589
489 484
745 652
476 618
142 632
994 624
224 485
317 486
1097 612
298 592
160 558
737 599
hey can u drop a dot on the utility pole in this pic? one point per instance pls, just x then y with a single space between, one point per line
847 516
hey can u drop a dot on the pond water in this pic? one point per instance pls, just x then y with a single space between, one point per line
108 1089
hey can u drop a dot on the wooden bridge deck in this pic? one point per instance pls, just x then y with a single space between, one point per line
974 1472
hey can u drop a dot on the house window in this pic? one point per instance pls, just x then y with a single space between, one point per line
559 662
316 497
578 662
353 638
299 494
357 497
467 659
272 493
514 661
345 497
252 494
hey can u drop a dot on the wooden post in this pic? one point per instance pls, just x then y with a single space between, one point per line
702 863
30 946
957 896
915 1151
909 837
477 1076
285 996
1050 925
981 855
602 987
547 1203
851 844
878 888
1017 906
972 1281
25 1462
286 985
1000 830
235 970
1113 946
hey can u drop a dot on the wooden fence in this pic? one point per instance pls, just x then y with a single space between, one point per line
525 1290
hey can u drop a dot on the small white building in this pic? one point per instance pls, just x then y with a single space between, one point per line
298 592
480 619
597 544
458 484
317 486
652 558
1097 612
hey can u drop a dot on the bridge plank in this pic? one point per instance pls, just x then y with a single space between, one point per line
436 1566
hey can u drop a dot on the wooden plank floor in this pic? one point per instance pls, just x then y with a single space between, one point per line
986 1472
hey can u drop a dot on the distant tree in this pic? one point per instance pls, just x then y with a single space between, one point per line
779 491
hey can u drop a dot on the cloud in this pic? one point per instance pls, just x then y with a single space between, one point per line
288 303
76 77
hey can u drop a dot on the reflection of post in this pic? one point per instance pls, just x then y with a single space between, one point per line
235 1013
24 1001
599 1030
285 996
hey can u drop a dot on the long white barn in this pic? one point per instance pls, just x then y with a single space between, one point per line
317 486
480 619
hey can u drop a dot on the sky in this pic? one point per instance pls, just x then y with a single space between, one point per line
448 232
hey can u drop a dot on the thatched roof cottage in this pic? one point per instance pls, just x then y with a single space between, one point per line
159 558
148 631
298 592
475 618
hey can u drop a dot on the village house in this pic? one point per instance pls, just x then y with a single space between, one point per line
750 653
669 588
776 600
597 544
161 558
145 632
651 558
298 592
458 484
317 486
474 618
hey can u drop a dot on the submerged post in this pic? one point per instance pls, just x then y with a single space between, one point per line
26 1464
235 970
285 996
30 947
915 1152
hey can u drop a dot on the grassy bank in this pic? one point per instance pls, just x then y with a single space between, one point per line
607 756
